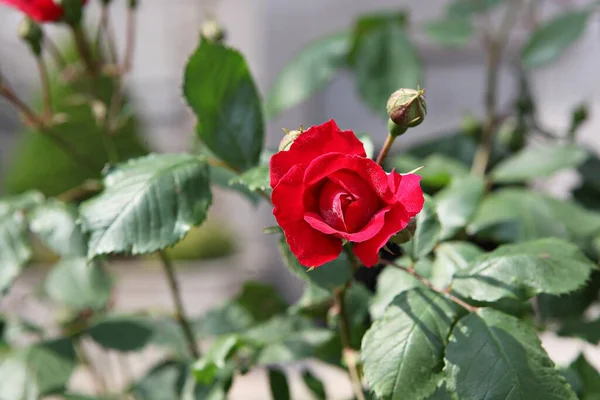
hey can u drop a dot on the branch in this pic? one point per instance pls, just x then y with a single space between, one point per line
45 83
84 49
180 314
389 140
445 292
347 351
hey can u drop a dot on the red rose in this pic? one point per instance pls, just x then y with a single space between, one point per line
38 10
325 189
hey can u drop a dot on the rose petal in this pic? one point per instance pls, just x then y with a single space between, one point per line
316 141
369 231
410 194
311 247
368 252
366 204
38 10
367 169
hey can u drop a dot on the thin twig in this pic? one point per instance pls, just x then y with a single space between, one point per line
56 54
180 314
387 145
33 119
45 82
81 192
130 40
495 52
347 351
445 292
84 49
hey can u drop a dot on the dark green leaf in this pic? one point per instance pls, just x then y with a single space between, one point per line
391 282
219 88
261 301
523 270
571 305
163 381
223 177
328 276
438 170
55 223
495 356
586 330
427 234
168 335
256 179
278 384
450 32
148 204
384 59
515 215
589 376
537 162
573 379
403 351
552 38
450 258
314 299
52 363
230 318
441 394
308 72
79 284
121 333
457 204
457 147
357 301
315 385
15 249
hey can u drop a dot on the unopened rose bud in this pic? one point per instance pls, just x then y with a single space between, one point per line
212 31
31 32
407 108
288 139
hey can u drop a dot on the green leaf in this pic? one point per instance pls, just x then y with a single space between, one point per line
537 162
571 305
328 276
450 32
18 382
314 299
226 179
450 258
552 39
427 234
462 8
441 394
219 88
55 224
314 384
391 282
167 334
438 170
121 333
261 301
384 59
209 366
590 378
457 204
79 284
163 381
523 270
585 330
308 72
403 351
515 215
256 179
278 384
230 318
495 356
52 363
148 204
15 249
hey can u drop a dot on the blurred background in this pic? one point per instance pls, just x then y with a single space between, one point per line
269 33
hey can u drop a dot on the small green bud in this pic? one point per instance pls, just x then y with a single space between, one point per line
289 138
72 10
213 31
407 107
133 4
31 32
396 130
579 116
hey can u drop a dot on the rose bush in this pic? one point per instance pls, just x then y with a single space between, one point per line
326 190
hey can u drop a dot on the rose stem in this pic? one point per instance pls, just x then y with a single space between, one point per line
180 314
83 48
347 351
56 54
426 282
385 149
39 124
495 50
45 82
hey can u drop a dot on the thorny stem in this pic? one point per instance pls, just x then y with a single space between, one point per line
38 123
496 48
84 49
347 351
180 314
445 292
385 149
45 82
